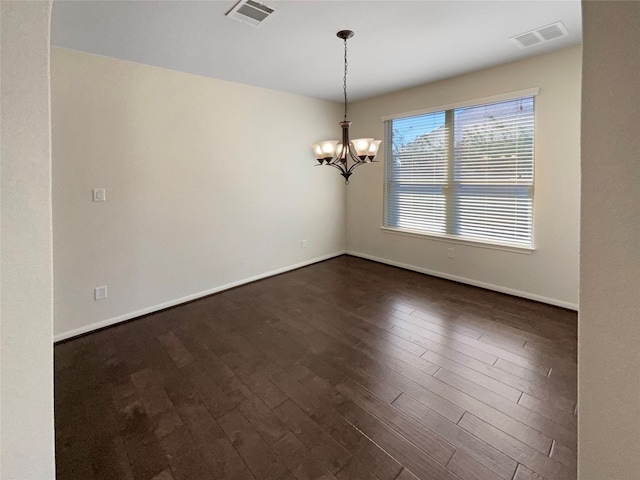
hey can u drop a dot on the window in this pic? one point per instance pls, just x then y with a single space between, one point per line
463 173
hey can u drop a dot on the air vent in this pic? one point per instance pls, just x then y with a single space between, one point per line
527 39
540 35
250 12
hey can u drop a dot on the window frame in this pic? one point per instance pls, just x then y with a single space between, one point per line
446 237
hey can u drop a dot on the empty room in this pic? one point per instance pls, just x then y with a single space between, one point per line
188 292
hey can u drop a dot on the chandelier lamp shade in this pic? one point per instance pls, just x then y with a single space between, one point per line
346 155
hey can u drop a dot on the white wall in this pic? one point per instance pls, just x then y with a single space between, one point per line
26 335
208 184
550 274
609 321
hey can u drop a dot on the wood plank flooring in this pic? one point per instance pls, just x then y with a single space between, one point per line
346 369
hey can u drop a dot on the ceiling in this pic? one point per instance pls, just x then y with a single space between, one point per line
397 44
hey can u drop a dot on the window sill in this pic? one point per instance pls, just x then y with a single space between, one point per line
472 243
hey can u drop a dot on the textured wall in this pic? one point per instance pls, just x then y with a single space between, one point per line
609 320
26 343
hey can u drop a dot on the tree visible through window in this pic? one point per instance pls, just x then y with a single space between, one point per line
465 173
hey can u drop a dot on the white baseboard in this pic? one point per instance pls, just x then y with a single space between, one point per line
469 281
172 303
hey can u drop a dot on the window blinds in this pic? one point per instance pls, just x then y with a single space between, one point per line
418 173
466 172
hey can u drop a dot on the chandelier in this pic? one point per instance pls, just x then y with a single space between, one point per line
349 154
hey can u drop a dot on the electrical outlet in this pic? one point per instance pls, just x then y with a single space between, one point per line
100 293
303 244
450 253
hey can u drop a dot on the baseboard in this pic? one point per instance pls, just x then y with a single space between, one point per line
469 281
172 303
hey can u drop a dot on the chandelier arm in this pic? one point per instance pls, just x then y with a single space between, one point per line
354 157
339 167
336 160
353 167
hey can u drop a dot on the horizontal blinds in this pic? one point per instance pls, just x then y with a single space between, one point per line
493 171
416 207
494 143
500 213
417 172
480 189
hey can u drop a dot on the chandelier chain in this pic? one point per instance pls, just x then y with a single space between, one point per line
344 83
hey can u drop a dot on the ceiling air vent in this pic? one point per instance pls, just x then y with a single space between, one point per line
540 35
250 12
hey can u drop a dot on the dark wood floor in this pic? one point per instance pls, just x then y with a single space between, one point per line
346 369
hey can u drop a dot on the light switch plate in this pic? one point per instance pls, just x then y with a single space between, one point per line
99 195
100 293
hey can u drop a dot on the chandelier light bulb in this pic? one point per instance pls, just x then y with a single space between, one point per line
362 146
373 148
329 148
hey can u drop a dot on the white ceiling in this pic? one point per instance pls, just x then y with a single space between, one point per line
397 44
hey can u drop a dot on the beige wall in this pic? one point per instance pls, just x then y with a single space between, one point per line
550 274
208 184
26 334
609 321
